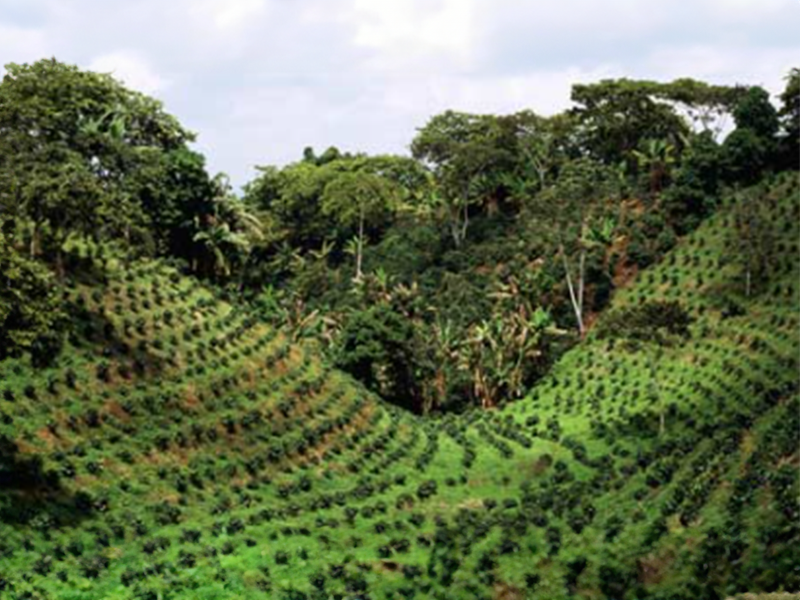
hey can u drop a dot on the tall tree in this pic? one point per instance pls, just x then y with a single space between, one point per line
790 117
578 211
542 146
357 199
228 233
751 148
707 106
616 116
467 153
695 183
81 153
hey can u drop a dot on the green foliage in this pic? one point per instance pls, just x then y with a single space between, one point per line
657 322
31 319
189 446
467 153
228 234
753 242
507 352
358 199
790 117
751 148
79 153
377 347
234 460
696 182
745 156
755 112
616 116
580 199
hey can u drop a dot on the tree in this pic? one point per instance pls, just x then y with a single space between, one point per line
745 155
293 196
580 220
505 352
616 116
706 105
174 190
31 319
467 154
357 199
377 347
755 112
750 149
656 158
649 327
695 183
228 234
790 117
543 145
80 153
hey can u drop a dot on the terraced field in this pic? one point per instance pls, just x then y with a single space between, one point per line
183 449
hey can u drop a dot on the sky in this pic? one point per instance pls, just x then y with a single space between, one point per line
259 80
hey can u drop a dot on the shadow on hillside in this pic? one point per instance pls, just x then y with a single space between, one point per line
29 493
85 270
92 330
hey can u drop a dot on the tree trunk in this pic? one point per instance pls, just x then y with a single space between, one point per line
242 273
456 226
581 279
542 174
576 306
360 245
127 244
34 240
493 206
60 263
748 281
465 223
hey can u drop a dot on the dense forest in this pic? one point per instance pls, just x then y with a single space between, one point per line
537 357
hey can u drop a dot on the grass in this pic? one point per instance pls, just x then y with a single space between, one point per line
183 449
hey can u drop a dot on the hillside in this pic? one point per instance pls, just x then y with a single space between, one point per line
183 449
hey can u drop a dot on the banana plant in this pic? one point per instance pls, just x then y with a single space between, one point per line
656 157
505 351
228 234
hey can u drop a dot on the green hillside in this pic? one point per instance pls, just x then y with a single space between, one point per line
184 449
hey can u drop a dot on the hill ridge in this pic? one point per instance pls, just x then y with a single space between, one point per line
201 454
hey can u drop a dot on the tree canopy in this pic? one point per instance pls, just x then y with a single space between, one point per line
31 319
80 153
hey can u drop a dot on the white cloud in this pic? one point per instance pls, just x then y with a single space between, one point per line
131 69
545 92
229 15
403 32
21 45
748 9
578 20
725 64
261 79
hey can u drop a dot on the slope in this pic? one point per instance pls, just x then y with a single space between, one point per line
182 449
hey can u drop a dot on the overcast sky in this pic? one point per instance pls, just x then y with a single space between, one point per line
259 80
